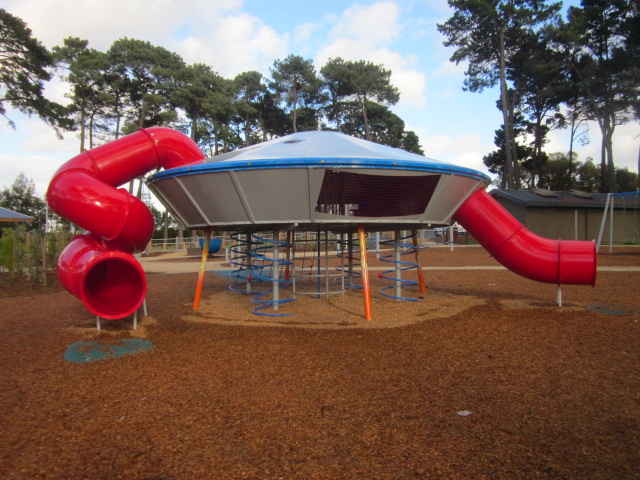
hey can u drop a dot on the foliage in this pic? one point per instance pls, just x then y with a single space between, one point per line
30 254
149 76
136 84
496 160
598 48
555 175
489 35
296 82
554 74
86 72
204 96
361 84
21 197
24 68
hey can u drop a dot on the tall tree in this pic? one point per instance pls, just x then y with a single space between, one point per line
293 78
274 121
202 95
152 74
24 68
371 83
496 160
598 45
86 69
335 74
385 127
539 76
578 130
249 89
363 83
487 33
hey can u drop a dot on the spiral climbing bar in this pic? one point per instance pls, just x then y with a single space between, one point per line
247 267
269 252
352 255
400 248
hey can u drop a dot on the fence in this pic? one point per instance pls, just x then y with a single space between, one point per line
172 244
30 255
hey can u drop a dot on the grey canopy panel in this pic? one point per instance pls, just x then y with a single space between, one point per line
314 178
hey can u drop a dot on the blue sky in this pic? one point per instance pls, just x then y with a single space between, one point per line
235 35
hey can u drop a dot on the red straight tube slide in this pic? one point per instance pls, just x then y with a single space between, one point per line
566 262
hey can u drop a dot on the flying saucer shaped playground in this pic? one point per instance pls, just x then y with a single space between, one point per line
308 181
316 178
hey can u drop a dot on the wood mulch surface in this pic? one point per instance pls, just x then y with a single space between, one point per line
483 378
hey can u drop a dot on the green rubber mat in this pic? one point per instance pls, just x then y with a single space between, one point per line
85 352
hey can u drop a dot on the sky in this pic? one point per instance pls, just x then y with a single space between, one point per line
234 36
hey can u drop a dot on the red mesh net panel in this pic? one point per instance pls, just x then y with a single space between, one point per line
361 195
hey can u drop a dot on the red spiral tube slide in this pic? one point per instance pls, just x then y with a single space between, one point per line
98 268
522 251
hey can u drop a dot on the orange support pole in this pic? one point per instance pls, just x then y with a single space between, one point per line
423 288
203 266
365 272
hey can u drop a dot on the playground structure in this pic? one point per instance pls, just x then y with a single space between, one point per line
311 181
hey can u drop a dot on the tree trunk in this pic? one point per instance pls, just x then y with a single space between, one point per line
166 225
603 168
611 169
83 119
117 135
365 116
91 130
295 110
142 113
508 167
606 122
194 128
246 130
571 139
514 146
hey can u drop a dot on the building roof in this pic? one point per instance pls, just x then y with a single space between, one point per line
564 199
7 215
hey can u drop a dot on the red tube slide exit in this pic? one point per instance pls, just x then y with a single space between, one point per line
99 267
524 252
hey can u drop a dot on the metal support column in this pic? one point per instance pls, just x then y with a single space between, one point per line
365 272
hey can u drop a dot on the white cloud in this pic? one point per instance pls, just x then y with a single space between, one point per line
237 44
377 23
31 166
412 84
202 31
34 149
102 22
304 32
464 150
41 139
450 69
362 33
